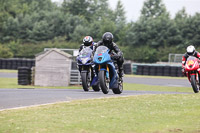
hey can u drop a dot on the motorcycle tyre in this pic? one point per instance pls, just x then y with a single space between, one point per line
194 84
102 81
119 89
85 84
96 87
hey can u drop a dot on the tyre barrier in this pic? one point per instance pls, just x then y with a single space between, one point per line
127 68
24 76
154 70
14 63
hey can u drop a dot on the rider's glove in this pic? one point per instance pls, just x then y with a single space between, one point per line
115 56
183 71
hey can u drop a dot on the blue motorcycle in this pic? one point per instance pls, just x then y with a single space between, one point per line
84 61
107 71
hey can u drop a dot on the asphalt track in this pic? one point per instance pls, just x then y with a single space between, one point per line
158 81
17 98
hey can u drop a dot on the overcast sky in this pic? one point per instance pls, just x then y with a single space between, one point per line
133 7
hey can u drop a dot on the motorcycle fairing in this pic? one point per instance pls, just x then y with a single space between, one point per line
102 58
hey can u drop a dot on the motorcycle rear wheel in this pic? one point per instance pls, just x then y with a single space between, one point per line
96 87
104 84
85 81
195 84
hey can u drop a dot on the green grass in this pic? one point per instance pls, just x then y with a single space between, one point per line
141 87
148 76
134 114
12 83
8 71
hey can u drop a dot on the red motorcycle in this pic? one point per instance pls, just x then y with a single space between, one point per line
192 70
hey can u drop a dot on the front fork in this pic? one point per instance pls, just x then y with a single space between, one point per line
107 70
197 74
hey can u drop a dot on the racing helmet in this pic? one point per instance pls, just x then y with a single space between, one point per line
107 38
190 50
87 41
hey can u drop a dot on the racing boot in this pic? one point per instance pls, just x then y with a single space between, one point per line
93 69
121 74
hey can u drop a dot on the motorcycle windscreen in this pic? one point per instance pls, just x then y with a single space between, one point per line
101 50
85 52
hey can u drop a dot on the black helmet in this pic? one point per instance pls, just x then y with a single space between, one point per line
87 41
107 38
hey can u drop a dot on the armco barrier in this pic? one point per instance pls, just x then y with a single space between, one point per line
157 70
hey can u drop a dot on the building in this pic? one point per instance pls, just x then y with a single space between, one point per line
52 68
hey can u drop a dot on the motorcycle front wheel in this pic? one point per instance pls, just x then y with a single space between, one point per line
85 81
195 84
104 83
119 89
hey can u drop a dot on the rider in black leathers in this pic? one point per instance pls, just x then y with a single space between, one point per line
107 40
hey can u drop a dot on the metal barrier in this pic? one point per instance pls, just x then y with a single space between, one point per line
75 77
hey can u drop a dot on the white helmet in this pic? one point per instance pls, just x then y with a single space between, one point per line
87 41
190 50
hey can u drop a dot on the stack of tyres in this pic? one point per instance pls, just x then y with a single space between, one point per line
28 63
152 70
24 75
4 64
24 62
19 63
179 72
32 62
9 64
14 64
127 68
134 69
167 71
174 70
0 63
146 70
160 71
140 70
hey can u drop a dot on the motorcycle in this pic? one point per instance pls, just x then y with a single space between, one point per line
107 71
193 72
84 61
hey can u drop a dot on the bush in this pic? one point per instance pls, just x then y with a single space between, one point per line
5 52
141 54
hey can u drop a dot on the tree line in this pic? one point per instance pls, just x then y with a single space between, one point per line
28 26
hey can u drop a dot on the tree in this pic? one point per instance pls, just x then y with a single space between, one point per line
153 9
151 31
119 13
5 52
192 33
120 22
76 7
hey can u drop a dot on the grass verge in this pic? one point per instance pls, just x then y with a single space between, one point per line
8 71
141 87
12 83
147 76
146 113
